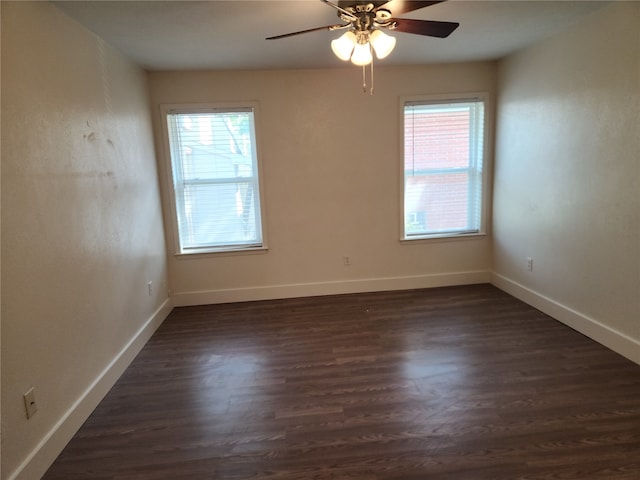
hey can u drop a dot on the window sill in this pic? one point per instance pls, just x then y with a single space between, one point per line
443 238
216 252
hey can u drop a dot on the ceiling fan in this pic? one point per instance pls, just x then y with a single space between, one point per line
364 22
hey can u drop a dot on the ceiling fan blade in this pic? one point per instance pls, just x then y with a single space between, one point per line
327 27
398 7
344 12
430 28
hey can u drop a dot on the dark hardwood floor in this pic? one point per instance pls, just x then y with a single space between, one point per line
447 383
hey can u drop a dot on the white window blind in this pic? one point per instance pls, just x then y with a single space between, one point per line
443 161
215 179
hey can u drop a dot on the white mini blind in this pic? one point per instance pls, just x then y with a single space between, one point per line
443 161
215 179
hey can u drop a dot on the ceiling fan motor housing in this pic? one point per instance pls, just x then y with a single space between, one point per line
365 17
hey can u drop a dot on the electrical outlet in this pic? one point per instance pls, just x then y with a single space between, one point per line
150 288
30 404
529 264
346 260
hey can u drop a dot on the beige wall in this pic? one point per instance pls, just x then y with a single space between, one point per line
567 178
330 158
81 227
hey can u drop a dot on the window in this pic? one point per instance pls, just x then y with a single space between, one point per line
442 167
214 175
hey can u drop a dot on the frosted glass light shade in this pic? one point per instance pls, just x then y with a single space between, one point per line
343 45
361 54
382 43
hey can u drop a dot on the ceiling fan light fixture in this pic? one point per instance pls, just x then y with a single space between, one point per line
362 54
382 43
343 46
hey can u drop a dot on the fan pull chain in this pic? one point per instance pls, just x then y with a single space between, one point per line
364 77
371 91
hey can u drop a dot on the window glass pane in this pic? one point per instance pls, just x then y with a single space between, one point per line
437 202
218 214
443 146
215 180
215 145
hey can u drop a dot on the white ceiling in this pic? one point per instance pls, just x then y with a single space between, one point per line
223 35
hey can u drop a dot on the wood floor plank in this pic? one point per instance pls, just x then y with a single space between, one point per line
447 383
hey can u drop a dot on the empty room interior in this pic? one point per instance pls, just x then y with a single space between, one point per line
370 309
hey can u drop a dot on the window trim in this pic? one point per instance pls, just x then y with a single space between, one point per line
194 108
486 165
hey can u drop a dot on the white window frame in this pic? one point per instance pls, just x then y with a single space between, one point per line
168 109
483 194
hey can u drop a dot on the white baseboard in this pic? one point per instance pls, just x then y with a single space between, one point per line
41 458
592 328
181 299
